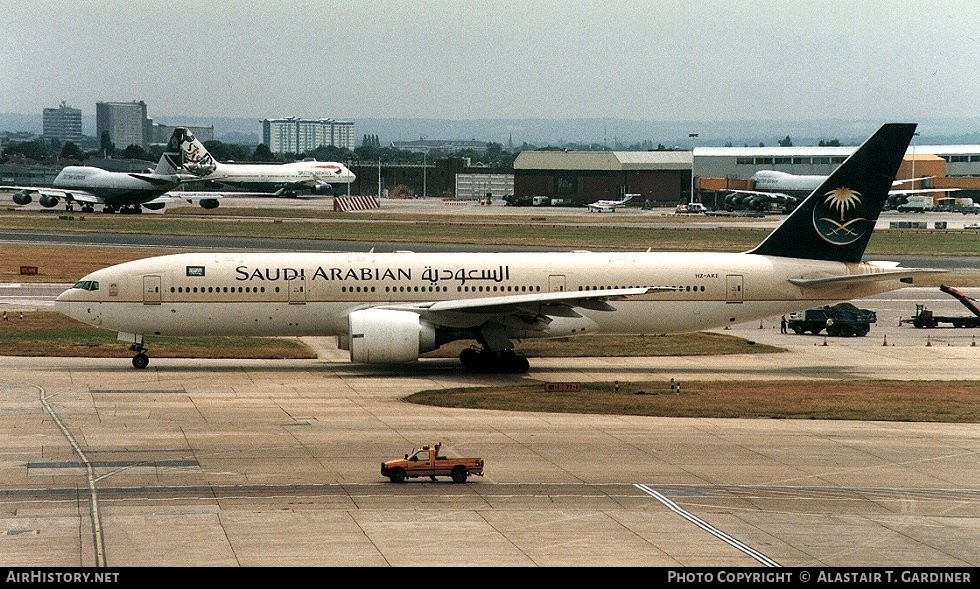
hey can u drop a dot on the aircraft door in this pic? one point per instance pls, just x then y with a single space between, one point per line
151 290
735 294
556 283
297 291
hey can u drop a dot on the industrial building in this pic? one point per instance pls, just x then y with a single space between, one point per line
667 178
717 169
480 186
661 178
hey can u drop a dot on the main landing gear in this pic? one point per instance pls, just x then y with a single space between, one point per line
140 359
486 360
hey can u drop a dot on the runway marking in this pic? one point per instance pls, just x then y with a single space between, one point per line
89 475
734 542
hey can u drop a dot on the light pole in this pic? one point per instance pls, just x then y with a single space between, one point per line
424 158
693 137
914 135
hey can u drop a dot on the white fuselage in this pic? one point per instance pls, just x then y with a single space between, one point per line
125 187
775 181
297 294
291 173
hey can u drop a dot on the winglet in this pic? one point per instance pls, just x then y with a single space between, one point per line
836 221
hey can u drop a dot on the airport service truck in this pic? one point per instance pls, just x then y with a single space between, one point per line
917 203
842 319
427 461
924 318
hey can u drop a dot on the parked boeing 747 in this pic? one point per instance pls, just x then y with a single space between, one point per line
785 191
126 192
389 308
291 179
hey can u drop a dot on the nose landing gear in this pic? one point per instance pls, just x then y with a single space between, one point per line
140 359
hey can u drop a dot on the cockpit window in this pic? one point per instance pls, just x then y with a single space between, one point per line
87 284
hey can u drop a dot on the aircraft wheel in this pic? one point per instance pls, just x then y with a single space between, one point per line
470 357
141 361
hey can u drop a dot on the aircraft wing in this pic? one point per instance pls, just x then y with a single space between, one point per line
920 191
529 307
774 195
315 180
190 196
907 180
69 195
289 187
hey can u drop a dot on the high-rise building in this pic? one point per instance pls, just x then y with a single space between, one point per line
293 135
63 123
125 122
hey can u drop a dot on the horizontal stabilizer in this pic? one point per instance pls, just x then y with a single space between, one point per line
857 278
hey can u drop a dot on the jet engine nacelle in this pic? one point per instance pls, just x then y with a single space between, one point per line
22 197
48 201
386 336
322 189
209 203
154 206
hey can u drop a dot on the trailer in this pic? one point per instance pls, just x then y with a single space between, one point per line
925 318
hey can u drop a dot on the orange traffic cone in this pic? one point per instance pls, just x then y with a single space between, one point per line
884 342
928 342
825 340
973 344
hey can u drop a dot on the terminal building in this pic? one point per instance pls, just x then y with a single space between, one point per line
667 178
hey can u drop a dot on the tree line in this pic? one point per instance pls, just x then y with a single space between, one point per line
54 151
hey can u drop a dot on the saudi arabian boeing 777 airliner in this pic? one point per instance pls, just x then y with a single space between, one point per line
388 308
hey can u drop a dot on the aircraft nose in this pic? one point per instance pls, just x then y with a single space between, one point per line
62 303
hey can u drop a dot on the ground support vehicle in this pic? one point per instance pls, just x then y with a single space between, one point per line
842 319
924 318
428 462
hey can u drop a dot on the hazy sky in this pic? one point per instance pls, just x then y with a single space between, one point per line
651 60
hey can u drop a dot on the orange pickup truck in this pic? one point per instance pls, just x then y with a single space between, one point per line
427 462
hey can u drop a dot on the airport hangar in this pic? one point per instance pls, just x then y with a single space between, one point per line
662 178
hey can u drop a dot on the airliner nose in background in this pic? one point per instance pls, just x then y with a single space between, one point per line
388 308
